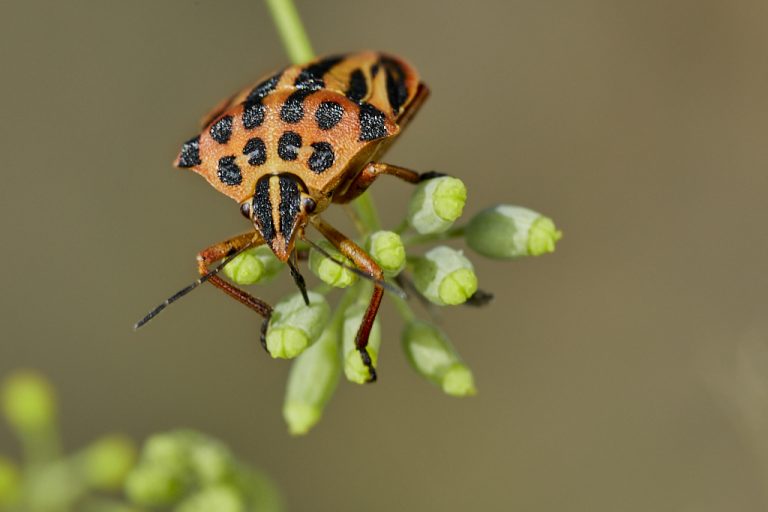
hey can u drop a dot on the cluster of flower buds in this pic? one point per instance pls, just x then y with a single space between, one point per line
185 470
51 480
323 342
192 472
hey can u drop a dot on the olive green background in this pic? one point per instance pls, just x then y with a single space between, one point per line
628 371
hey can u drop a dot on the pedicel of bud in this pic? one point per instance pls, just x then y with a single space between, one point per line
10 483
388 250
508 232
312 381
354 368
436 204
252 266
294 326
106 463
219 498
29 403
432 355
329 271
445 277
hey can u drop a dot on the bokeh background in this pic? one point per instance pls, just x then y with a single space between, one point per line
621 373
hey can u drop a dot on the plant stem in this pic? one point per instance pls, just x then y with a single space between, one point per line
291 30
454 232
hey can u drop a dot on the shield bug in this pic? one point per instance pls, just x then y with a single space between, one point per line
298 141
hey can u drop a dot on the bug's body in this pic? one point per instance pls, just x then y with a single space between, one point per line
297 141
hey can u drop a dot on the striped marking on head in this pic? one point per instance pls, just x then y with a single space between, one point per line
277 212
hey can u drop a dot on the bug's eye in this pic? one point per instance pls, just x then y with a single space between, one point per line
309 205
245 209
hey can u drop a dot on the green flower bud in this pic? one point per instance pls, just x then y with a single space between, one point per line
354 368
211 461
507 232
294 325
28 402
152 485
252 266
329 271
311 383
445 276
219 498
10 483
388 250
106 463
436 204
432 355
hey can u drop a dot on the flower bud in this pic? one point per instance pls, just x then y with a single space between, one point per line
294 326
106 463
329 271
311 383
432 355
445 276
252 266
155 485
507 232
28 402
387 249
10 483
436 204
219 498
354 368
210 460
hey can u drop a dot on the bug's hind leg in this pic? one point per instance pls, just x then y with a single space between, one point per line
372 171
364 262
221 250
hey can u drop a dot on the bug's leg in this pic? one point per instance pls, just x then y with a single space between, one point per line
372 171
364 262
220 251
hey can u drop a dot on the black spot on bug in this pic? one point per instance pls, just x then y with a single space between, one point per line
358 87
288 146
374 70
221 130
256 151
397 92
292 110
372 123
262 89
328 114
190 153
322 157
262 210
253 115
311 77
290 202
228 171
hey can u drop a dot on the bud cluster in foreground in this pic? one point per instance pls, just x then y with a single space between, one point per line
183 471
322 339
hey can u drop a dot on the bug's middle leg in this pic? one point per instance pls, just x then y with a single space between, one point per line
364 262
220 251
372 171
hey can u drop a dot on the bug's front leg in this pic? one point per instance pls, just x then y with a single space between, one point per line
221 250
372 171
364 262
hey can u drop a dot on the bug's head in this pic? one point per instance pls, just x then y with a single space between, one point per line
280 209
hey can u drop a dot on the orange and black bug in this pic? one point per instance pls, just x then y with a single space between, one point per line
288 147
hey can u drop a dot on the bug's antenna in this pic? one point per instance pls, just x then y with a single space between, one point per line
298 278
379 282
176 296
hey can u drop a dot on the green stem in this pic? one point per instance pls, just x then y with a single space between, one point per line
366 212
454 232
291 30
